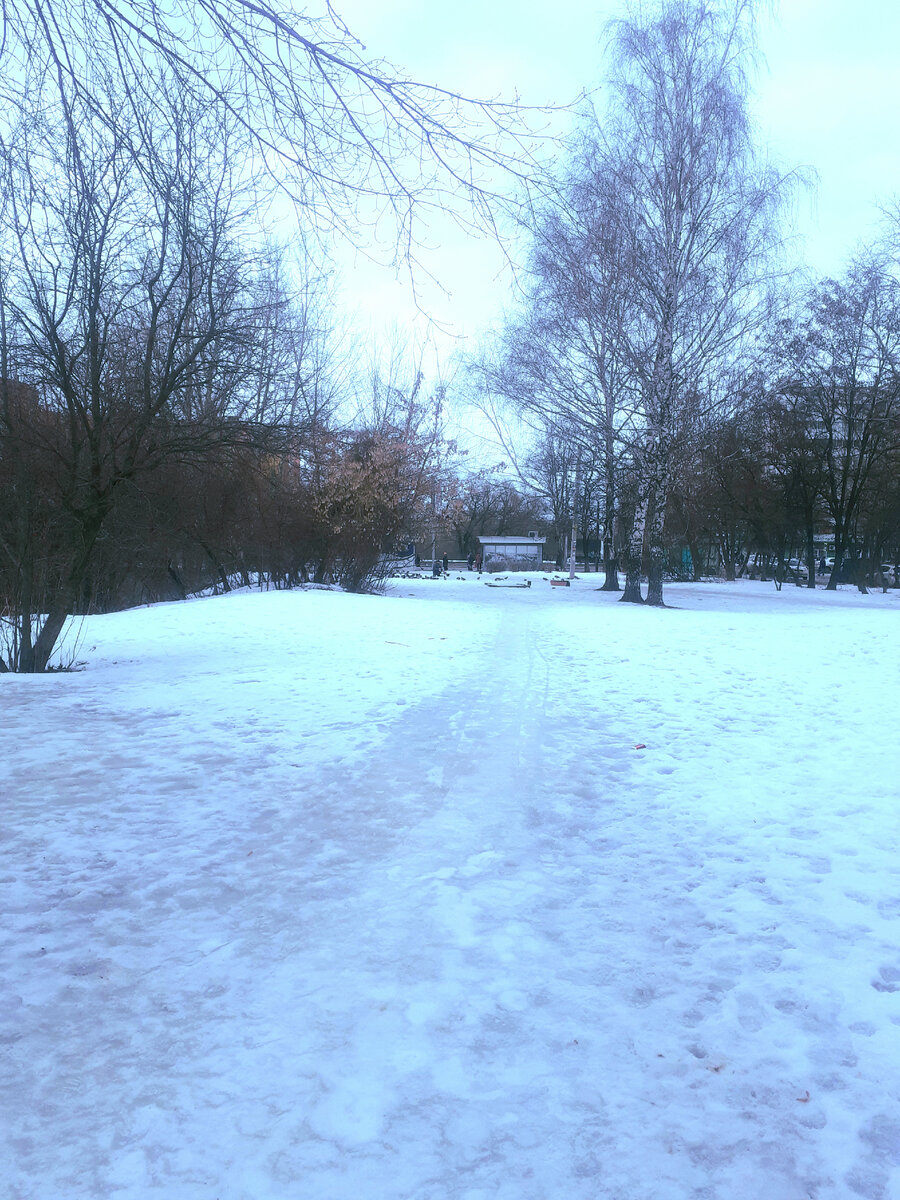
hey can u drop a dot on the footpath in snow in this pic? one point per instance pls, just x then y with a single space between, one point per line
456 893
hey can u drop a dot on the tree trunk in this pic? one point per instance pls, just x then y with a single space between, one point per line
611 569
655 583
696 571
217 565
657 554
47 638
840 539
62 605
634 553
610 562
179 586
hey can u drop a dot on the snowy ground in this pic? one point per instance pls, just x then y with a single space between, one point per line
315 896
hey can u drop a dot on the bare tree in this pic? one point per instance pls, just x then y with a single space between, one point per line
649 269
487 503
841 366
561 360
696 212
797 455
126 307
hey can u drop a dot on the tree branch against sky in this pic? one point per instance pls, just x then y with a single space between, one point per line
824 96
364 149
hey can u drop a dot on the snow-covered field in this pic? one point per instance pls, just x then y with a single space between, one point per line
458 892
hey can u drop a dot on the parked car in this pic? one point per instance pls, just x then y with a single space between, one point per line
797 568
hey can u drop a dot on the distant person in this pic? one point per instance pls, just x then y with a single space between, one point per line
446 563
478 561
436 568
471 560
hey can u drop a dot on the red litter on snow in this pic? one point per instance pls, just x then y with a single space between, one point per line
640 746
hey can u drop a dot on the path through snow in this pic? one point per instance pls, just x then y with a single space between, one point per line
312 895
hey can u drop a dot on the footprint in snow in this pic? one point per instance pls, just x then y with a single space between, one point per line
889 981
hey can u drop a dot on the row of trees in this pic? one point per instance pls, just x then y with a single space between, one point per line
650 268
176 408
814 444
804 453
179 408
662 354
766 482
174 403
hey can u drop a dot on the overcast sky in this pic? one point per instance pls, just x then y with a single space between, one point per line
828 97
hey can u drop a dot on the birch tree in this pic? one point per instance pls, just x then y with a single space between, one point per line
696 210
559 362
650 270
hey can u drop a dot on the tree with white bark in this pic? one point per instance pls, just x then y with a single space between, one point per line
698 211
651 270
561 361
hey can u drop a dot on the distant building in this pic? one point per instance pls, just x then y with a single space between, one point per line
524 553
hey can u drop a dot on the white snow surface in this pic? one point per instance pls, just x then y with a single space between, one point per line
311 895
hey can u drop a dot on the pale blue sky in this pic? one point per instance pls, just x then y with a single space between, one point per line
828 97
